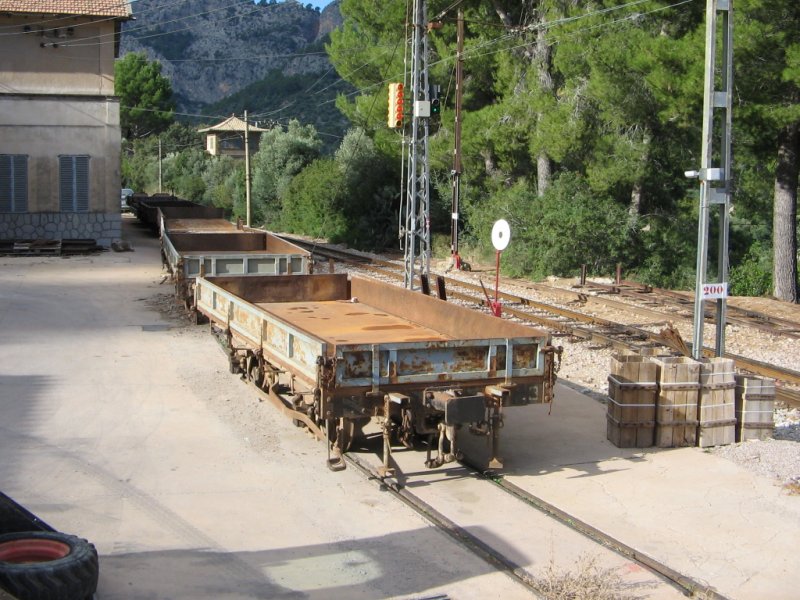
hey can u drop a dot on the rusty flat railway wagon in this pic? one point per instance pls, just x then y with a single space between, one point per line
335 353
146 208
195 241
194 219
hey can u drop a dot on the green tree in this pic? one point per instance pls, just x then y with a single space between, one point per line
768 60
317 196
146 104
222 178
282 154
554 234
183 173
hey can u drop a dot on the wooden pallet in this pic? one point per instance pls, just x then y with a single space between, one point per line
630 419
36 248
716 403
755 404
676 405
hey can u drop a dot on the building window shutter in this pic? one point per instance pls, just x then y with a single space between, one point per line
13 183
73 183
82 183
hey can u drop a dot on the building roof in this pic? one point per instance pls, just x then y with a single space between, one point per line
232 123
91 8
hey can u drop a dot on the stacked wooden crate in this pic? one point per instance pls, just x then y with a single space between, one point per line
632 402
755 404
676 410
716 403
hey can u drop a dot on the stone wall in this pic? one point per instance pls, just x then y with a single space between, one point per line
104 228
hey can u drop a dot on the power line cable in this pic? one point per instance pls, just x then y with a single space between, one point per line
239 3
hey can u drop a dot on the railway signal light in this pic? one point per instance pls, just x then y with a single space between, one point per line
395 117
436 106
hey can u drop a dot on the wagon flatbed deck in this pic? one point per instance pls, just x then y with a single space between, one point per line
347 322
200 226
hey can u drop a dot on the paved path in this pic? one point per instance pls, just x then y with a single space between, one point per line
122 428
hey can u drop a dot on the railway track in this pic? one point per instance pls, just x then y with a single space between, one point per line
577 324
683 306
527 501
401 486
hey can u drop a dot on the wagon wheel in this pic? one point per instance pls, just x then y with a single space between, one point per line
349 430
345 432
254 371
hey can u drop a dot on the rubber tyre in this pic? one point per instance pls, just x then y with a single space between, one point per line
44 565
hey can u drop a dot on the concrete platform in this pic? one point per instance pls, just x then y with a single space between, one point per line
120 426
700 514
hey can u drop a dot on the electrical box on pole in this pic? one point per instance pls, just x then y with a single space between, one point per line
417 230
715 181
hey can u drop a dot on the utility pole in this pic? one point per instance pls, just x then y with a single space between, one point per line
247 166
719 194
417 231
456 173
159 165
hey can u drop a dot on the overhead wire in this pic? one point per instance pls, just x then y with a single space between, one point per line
103 36
72 17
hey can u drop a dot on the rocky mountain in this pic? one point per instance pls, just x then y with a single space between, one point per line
212 49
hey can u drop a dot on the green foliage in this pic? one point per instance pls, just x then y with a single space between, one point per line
223 177
668 248
146 104
609 94
314 200
140 156
753 275
347 198
556 233
183 174
282 155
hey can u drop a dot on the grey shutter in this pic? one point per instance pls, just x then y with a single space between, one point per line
81 183
13 183
20 183
6 179
73 183
65 179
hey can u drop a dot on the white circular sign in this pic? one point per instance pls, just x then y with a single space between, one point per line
501 234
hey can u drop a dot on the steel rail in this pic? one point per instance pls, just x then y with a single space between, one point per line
497 559
614 335
450 528
736 315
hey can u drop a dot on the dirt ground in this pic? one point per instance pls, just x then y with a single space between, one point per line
120 423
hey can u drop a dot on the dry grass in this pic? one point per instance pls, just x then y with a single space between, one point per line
792 488
586 581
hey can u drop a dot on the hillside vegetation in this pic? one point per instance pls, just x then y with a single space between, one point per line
580 120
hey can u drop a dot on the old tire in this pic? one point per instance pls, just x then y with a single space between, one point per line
44 565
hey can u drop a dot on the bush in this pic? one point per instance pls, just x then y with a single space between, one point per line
752 276
557 233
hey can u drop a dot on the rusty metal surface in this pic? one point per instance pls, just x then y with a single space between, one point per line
199 225
209 243
373 346
446 318
192 212
346 322
285 288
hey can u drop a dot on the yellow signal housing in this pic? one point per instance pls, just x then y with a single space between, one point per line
395 117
